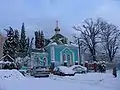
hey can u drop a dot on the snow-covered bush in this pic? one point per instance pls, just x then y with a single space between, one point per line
8 65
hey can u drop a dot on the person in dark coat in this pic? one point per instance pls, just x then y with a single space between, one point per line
100 67
115 72
86 65
95 67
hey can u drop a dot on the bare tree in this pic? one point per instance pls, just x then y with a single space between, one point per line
90 30
110 39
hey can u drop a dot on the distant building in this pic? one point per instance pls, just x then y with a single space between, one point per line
2 39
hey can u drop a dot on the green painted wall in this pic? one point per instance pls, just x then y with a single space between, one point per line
58 49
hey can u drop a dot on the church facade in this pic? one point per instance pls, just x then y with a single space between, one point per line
62 53
57 50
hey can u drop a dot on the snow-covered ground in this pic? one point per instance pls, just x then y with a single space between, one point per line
13 80
10 75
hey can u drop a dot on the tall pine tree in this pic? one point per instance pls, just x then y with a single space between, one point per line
17 42
39 40
42 40
36 39
9 47
27 44
23 42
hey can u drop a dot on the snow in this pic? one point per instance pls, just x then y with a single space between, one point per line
76 61
7 62
74 45
89 81
65 61
86 61
3 62
53 43
10 74
66 45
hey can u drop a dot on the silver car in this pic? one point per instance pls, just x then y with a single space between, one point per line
78 69
40 71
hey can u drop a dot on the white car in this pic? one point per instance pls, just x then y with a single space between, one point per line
63 71
78 69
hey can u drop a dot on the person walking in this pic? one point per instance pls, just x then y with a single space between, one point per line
115 72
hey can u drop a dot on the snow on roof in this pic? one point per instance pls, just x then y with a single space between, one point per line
74 45
76 61
67 44
65 61
53 43
8 62
5 62
86 61
10 74
1 61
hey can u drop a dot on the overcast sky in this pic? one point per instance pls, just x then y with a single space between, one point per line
42 14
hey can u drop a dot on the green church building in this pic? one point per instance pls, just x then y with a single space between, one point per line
57 50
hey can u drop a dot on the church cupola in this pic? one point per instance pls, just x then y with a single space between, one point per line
57 29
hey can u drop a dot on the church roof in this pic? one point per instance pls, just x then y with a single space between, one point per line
52 43
8 56
47 41
38 50
59 39
58 36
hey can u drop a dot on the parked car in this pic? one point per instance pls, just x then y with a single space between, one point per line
78 69
63 71
40 71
